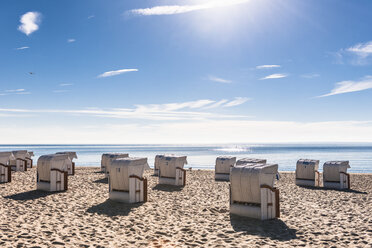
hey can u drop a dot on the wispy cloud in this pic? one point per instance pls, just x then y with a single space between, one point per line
219 80
237 101
16 90
267 66
114 73
275 76
179 9
362 50
351 86
169 111
65 84
22 48
60 91
91 16
359 54
71 40
310 75
29 22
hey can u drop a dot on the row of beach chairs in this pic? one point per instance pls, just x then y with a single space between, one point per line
10 161
252 181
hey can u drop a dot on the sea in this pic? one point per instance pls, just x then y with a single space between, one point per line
204 156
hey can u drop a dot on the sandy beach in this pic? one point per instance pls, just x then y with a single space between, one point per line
194 216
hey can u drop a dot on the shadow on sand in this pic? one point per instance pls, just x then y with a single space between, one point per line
30 195
102 180
112 208
275 229
167 188
340 190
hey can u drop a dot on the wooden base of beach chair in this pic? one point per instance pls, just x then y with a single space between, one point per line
58 181
344 182
5 173
222 176
179 180
137 191
268 209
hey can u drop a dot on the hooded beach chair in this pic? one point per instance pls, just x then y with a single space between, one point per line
28 158
244 161
252 191
5 167
157 163
71 166
171 170
335 175
52 172
19 163
307 173
222 167
126 181
107 159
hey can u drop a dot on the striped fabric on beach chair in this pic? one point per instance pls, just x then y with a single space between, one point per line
252 191
307 173
126 181
335 175
52 172
5 167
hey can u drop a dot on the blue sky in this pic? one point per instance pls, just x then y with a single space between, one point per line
185 71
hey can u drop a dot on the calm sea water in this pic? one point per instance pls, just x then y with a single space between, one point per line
203 156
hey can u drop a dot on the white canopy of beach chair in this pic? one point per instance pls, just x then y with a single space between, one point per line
222 167
52 172
307 173
5 167
171 170
335 174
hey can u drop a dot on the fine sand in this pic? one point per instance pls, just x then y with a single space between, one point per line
196 215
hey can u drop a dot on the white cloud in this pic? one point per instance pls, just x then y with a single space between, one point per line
267 66
60 91
275 76
351 86
91 16
16 90
179 9
71 40
22 48
362 50
236 102
168 111
219 80
216 104
65 84
114 73
29 22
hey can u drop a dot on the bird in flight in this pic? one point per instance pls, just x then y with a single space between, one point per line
31 73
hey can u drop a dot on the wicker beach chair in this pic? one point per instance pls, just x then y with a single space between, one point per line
307 173
107 159
158 158
126 181
222 167
5 167
252 191
52 172
19 163
335 175
70 166
171 170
